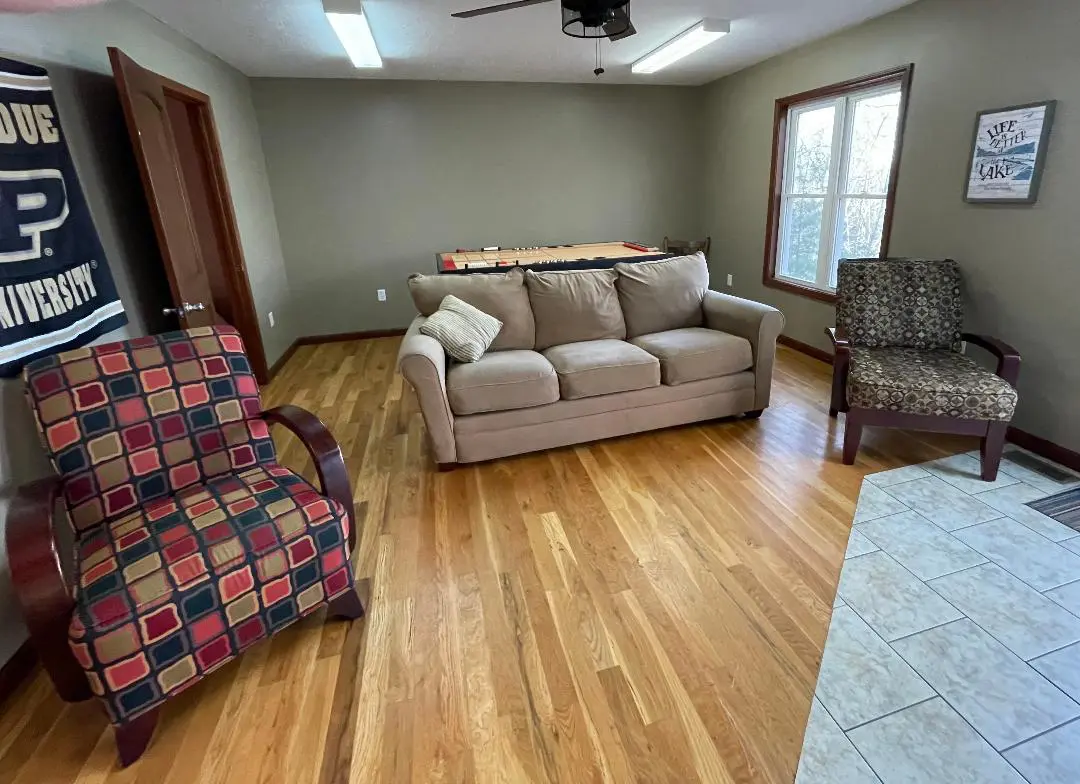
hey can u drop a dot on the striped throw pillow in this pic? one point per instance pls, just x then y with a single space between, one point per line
464 331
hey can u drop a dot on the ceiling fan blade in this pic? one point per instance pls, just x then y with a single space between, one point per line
621 18
494 9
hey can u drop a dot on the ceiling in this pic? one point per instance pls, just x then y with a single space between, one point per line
419 40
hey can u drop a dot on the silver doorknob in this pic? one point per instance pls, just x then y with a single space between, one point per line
184 309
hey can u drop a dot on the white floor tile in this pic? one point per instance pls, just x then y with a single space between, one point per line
1062 668
1036 479
1072 545
874 502
1037 561
942 503
861 677
838 602
1053 758
859 545
896 476
1068 596
964 472
828 756
1003 698
1015 614
922 547
1012 501
930 744
889 598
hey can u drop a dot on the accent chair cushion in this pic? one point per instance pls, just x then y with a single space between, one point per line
694 353
501 381
602 367
938 383
127 423
900 302
660 295
574 305
169 593
463 331
499 294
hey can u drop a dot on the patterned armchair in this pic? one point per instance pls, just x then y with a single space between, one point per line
188 543
897 360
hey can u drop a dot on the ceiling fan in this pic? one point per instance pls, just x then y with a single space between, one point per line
581 18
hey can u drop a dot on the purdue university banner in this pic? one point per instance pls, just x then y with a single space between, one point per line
56 292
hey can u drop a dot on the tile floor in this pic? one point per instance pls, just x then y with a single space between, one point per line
954 649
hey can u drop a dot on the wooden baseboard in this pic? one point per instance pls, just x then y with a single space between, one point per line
310 340
341 336
16 670
805 348
1043 448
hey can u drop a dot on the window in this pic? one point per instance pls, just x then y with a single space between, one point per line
835 159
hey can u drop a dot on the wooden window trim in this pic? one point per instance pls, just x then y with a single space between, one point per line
779 154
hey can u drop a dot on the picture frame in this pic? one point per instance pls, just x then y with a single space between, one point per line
1008 153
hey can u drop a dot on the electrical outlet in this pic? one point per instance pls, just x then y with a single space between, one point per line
270 316
381 294
729 280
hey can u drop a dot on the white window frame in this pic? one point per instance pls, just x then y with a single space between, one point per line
838 173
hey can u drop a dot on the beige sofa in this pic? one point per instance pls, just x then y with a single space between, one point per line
589 354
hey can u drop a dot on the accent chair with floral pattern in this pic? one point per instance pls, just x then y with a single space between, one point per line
187 542
898 358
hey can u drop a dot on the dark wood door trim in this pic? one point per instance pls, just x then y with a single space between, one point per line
244 312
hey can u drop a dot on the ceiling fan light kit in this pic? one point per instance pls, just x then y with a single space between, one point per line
352 29
700 35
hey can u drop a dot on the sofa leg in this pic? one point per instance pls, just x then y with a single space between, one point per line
347 606
443 467
133 738
755 414
991 448
852 436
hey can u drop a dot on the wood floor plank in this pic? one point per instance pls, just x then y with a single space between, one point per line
644 609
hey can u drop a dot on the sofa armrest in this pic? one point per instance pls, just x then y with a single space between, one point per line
422 361
758 323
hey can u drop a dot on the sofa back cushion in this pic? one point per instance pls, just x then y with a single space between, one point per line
660 295
574 305
498 294
911 303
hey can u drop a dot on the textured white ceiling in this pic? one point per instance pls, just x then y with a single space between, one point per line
419 40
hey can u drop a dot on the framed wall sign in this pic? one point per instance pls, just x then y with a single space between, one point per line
1008 154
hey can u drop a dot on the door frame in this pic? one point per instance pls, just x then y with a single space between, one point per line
232 253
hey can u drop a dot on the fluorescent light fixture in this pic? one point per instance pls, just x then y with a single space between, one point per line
702 34
351 26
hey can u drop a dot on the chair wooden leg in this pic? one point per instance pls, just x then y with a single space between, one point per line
991 448
347 606
852 436
133 738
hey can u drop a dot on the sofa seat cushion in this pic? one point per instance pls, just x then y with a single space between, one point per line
501 381
695 353
937 383
602 367
174 590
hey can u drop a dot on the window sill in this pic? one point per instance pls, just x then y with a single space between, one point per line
805 291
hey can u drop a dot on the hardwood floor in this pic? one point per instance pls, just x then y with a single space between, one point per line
650 608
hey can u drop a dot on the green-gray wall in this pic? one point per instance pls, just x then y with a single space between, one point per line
72 46
371 179
1021 264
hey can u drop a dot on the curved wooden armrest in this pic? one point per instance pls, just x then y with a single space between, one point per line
40 586
839 338
1008 357
324 449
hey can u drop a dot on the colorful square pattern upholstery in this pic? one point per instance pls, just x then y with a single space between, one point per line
192 543
169 593
126 423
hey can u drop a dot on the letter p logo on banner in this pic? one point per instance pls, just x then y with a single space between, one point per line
31 202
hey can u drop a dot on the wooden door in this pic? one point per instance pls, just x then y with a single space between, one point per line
146 112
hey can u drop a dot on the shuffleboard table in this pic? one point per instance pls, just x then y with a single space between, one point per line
591 255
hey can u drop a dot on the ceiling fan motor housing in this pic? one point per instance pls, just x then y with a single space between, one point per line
595 18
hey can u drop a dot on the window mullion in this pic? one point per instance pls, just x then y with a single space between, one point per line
828 213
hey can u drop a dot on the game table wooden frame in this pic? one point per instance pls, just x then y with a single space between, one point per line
590 255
